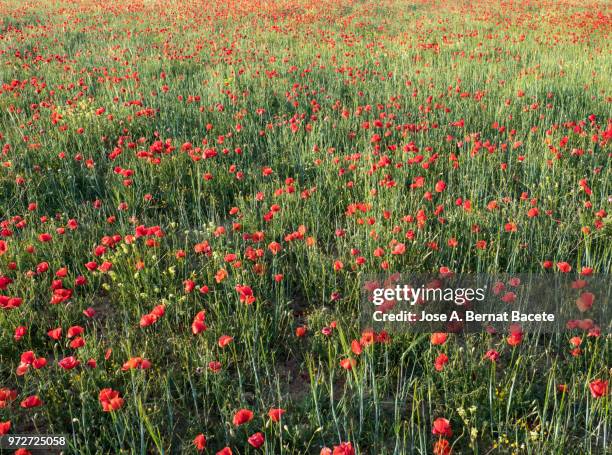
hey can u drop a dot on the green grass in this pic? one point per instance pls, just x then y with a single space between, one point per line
537 70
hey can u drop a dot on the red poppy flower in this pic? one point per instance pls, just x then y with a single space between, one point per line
598 388
45 237
585 301
5 427
492 355
246 294
89 312
31 402
6 396
438 338
356 347
242 416
224 340
159 310
514 339
68 363
75 330
20 332
200 442
345 448
147 320
348 363
39 362
441 360
440 186
442 447
28 357
214 366
257 440
198 325
78 342
564 267
275 414
136 363
220 275
110 400
398 249
442 427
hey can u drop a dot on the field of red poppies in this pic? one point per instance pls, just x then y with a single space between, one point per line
192 193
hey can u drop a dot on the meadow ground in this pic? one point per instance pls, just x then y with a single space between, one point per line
192 193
